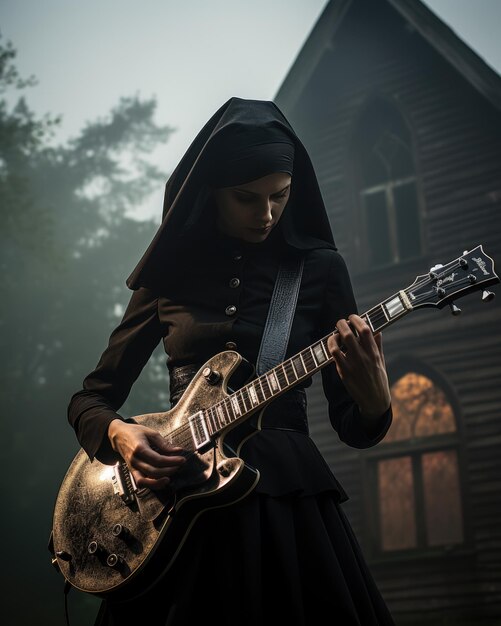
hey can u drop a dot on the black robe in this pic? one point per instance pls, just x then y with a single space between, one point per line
285 553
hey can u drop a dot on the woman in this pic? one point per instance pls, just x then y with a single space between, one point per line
243 198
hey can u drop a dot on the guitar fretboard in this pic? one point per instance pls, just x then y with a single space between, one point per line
254 395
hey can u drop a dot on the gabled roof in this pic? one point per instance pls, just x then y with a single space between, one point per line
423 20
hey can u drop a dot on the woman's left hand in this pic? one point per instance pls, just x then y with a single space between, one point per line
358 355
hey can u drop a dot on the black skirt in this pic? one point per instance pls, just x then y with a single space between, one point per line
264 560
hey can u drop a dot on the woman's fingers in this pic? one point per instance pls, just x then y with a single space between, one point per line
346 338
353 335
155 465
378 338
145 453
152 459
364 334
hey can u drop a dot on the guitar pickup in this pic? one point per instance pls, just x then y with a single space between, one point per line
123 482
199 432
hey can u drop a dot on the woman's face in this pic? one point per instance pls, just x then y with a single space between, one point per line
251 210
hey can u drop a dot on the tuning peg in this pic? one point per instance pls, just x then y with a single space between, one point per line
433 273
487 296
455 310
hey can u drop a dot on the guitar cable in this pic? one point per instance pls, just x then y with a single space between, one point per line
66 590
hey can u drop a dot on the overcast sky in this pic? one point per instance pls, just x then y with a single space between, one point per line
192 55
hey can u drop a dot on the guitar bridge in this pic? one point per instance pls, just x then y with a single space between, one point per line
123 482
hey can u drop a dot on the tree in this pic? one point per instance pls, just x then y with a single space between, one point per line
66 247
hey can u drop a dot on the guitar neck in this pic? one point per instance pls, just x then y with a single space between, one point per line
260 391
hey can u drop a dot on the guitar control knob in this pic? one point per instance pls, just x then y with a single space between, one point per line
223 470
487 296
95 549
211 376
114 561
120 531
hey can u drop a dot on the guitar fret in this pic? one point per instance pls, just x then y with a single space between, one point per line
298 366
383 309
241 403
215 419
313 356
242 396
378 317
324 348
259 389
272 378
235 405
229 411
319 353
289 372
207 420
220 412
266 384
281 376
368 320
309 360
198 429
253 394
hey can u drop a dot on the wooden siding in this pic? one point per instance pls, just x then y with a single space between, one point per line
457 135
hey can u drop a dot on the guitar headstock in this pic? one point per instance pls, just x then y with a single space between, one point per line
472 271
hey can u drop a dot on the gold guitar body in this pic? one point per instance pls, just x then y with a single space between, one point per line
110 538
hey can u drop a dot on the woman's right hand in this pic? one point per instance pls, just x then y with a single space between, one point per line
151 459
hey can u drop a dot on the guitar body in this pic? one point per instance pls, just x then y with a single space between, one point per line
109 538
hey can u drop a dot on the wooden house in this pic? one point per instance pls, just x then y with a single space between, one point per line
403 123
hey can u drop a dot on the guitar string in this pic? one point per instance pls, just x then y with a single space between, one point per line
375 318
443 272
209 413
185 429
183 435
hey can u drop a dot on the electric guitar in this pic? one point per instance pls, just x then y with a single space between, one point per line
110 538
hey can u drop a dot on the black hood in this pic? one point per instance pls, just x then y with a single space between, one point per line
188 211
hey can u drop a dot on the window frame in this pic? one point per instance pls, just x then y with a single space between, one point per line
415 448
391 213
359 191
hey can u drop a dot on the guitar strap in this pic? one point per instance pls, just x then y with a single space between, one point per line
280 314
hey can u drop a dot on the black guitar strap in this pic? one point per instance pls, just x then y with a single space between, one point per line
280 314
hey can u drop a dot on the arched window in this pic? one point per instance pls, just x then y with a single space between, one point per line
416 475
386 190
